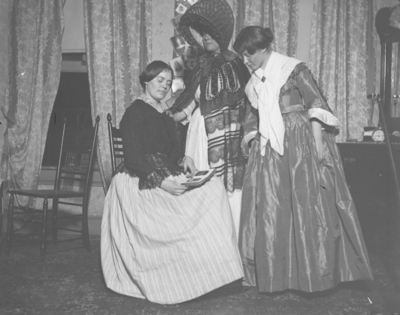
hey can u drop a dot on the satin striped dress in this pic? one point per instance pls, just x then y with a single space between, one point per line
164 248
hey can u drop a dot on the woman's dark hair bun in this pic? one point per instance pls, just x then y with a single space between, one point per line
253 37
269 34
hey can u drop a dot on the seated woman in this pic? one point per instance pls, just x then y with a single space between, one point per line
160 241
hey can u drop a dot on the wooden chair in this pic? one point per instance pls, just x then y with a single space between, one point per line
72 182
116 149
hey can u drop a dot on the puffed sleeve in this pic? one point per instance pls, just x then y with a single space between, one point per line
134 157
151 168
313 100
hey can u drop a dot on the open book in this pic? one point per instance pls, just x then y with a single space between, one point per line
199 178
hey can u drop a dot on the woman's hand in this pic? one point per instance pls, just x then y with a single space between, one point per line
168 113
173 187
177 117
188 165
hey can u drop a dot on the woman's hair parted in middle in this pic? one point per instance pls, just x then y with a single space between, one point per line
152 70
252 38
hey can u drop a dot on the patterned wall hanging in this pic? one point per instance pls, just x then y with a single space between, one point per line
185 56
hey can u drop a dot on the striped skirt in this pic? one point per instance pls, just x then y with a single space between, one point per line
164 248
197 149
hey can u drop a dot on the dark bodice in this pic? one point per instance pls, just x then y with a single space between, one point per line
146 133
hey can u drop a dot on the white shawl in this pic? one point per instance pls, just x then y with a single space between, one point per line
263 91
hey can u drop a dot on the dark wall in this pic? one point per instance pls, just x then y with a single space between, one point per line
73 103
370 177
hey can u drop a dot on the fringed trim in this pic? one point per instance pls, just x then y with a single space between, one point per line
153 180
161 172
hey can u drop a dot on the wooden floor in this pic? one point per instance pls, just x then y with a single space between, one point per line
70 282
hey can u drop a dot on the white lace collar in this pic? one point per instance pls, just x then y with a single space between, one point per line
156 105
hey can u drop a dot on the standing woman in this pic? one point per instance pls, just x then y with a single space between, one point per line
160 241
299 227
214 99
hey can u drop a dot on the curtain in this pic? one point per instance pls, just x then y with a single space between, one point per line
118 43
395 104
373 64
4 26
339 60
394 21
281 16
32 78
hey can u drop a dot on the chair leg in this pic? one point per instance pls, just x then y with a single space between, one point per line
10 223
44 226
55 221
85 228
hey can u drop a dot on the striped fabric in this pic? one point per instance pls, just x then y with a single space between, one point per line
224 138
167 249
197 147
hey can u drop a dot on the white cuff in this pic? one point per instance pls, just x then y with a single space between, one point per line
188 112
324 116
245 142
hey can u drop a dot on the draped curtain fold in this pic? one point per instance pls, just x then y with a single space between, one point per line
339 53
4 27
118 43
395 108
395 69
34 67
281 16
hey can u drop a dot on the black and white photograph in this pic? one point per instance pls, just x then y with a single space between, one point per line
200 157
